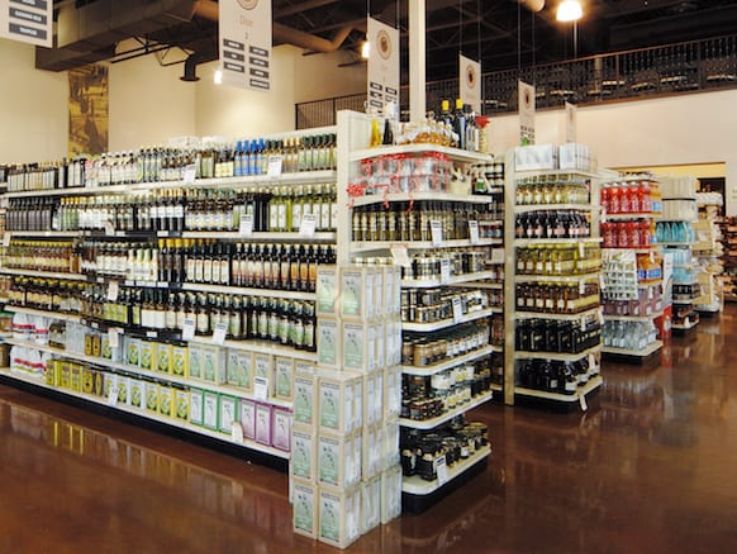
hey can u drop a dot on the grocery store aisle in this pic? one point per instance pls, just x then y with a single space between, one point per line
650 468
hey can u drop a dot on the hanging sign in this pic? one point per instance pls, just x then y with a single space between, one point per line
526 104
383 64
245 43
469 76
28 21
571 117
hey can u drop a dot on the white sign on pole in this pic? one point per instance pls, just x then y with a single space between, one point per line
28 21
469 76
383 64
245 43
526 104
571 117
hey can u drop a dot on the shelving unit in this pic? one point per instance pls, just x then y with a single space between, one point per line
708 250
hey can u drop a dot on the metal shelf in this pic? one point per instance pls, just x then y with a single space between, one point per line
272 293
418 197
642 353
261 236
560 356
418 486
445 323
448 363
593 383
455 154
372 246
640 215
45 234
614 317
535 242
556 278
44 313
525 208
562 317
47 274
260 347
434 422
456 280
524 174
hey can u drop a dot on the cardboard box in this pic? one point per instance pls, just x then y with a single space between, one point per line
137 394
372 448
339 459
133 351
304 508
227 412
370 504
124 384
373 397
356 292
99 382
392 291
329 342
326 290
536 157
337 400
392 392
263 424
180 361
240 369
339 516
213 363
75 377
391 494
303 462
181 402
196 407
148 355
392 342
359 345
263 368
281 428
305 398
88 379
163 355
152 396
53 373
166 401
389 447
195 362
284 372
248 418
64 377
210 410
111 380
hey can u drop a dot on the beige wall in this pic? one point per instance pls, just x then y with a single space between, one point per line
688 129
318 76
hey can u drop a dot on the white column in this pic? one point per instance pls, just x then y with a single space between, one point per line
417 100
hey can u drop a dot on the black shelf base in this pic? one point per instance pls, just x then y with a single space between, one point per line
554 405
418 503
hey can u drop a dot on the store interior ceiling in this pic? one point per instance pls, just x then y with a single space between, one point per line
503 33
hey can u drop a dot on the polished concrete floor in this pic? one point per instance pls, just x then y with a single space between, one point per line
651 468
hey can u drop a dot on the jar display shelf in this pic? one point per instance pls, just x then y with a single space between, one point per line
642 353
445 323
373 246
428 424
646 317
455 154
439 196
44 274
419 486
562 317
455 280
448 363
581 392
558 356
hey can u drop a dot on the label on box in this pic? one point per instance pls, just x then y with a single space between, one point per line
436 231
275 166
328 460
441 469
151 334
301 460
473 232
221 330
457 309
190 172
261 388
308 225
245 228
444 270
188 329
329 405
401 255
113 289
303 400
327 291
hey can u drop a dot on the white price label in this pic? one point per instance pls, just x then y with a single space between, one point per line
152 334
261 388
581 288
441 468
444 271
592 362
583 324
113 289
188 329
236 433
6 240
436 230
113 336
497 256
275 166
401 256
109 228
473 232
190 172
457 309
581 249
245 228
307 225
221 330
112 396
582 401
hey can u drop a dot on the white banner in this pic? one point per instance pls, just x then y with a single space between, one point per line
469 76
571 121
383 64
28 21
526 104
245 43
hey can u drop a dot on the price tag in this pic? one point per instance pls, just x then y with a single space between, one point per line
592 362
109 228
245 228
583 324
113 289
261 388
152 334
236 433
441 469
112 396
221 329
188 329
401 256
582 401
275 165
473 231
581 288
307 225
457 309
6 239
444 271
436 230
95 325
190 172
113 335
581 249
497 256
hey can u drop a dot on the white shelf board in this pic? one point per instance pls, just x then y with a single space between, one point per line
447 363
614 317
592 384
44 313
418 486
525 208
645 250
556 278
47 274
561 356
639 215
222 389
562 317
496 388
420 196
47 234
445 323
523 174
692 323
372 246
535 242
685 301
455 154
247 443
642 353
672 243
434 422
455 280
261 347
260 236
272 293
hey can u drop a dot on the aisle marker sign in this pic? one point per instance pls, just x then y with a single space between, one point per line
469 75
245 43
28 21
383 64
526 107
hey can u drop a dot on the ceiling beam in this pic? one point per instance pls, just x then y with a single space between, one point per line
301 7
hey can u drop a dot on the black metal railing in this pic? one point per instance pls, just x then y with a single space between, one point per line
671 69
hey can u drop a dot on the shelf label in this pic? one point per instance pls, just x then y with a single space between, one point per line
582 401
245 228
261 388
151 334
190 172
113 335
581 249
6 240
401 255
436 230
441 469
457 309
109 228
473 232
113 289
188 329
592 361
444 271
112 396
221 329
581 288
275 166
497 256
236 433
307 225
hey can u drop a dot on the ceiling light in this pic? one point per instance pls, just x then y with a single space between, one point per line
365 49
569 10
217 77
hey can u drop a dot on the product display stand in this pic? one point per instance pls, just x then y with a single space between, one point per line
633 277
708 250
729 258
552 298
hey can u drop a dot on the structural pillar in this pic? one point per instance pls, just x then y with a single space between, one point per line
417 91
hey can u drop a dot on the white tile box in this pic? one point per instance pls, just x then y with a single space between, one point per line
339 459
284 378
389 435
392 291
379 308
337 392
339 516
196 408
379 344
263 424
329 342
305 398
210 410
327 290
356 292
263 367
304 508
373 452
575 156
281 428
373 397
248 418
391 494
359 345
392 392
370 504
536 157
393 342
303 460
227 412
